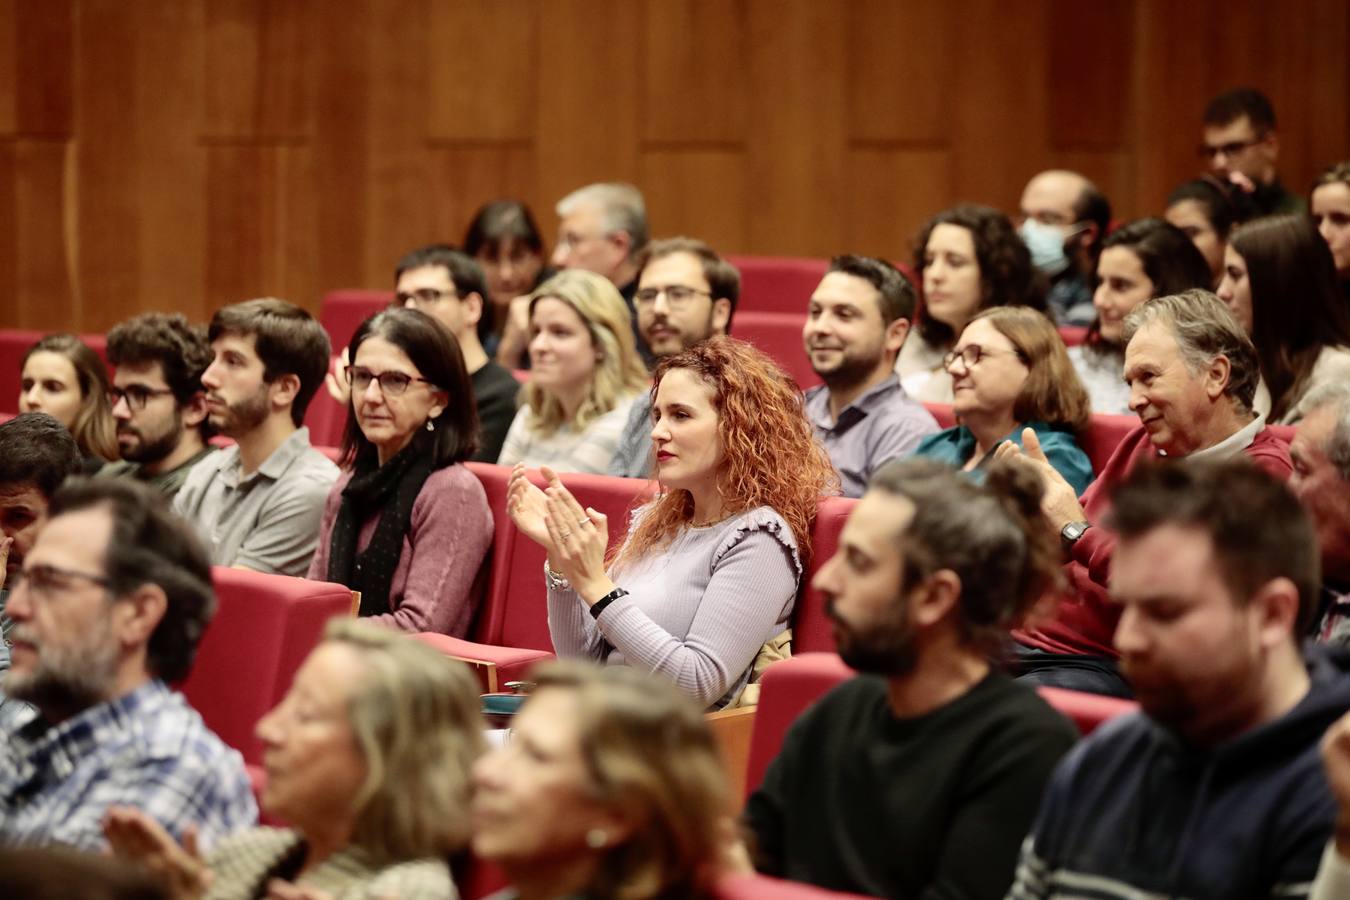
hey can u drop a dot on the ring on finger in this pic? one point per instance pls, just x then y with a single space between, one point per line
565 535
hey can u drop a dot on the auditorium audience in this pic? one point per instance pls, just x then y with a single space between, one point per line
610 787
920 777
1192 373
405 524
1142 259
257 504
968 258
508 246
62 377
686 294
368 760
1333 877
857 320
584 378
1010 372
108 608
157 399
1330 208
1207 210
1280 283
1064 219
37 454
1321 479
709 570
1215 789
1240 143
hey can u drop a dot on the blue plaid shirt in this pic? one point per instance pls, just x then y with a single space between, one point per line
147 749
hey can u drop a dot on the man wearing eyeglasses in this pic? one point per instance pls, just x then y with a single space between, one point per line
157 399
107 609
1240 145
686 293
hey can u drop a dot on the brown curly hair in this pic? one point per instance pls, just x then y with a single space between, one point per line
770 456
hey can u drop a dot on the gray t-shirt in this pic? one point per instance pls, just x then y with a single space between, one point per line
879 426
267 521
633 458
1103 374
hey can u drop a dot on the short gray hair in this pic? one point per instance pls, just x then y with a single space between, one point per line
1337 396
1204 330
621 209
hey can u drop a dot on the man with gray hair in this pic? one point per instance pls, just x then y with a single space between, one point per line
1192 373
1321 480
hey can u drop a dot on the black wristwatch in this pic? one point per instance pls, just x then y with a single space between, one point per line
1071 532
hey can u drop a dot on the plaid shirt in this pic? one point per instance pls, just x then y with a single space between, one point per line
147 749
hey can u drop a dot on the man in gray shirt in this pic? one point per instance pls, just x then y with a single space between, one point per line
857 322
257 504
686 294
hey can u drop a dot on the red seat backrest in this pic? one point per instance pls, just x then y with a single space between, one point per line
943 412
343 310
264 627
1104 436
779 334
1072 335
811 630
325 418
14 343
775 284
1087 711
762 887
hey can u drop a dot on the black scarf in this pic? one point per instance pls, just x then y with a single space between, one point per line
389 490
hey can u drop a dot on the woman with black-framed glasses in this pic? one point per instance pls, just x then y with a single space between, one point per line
1010 371
406 524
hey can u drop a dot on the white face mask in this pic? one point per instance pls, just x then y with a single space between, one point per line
1046 243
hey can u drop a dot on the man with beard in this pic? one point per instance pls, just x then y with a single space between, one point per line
158 400
1217 788
686 294
257 504
111 601
921 776
856 324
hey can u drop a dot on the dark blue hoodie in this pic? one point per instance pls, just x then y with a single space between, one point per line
1132 809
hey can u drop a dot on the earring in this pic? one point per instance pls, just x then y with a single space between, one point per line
596 838
431 426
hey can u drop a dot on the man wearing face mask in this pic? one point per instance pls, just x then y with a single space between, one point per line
1064 218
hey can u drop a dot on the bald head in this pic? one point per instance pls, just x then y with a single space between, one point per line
1054 197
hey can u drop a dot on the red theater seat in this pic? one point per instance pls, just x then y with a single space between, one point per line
779 334
14 343
264 627
343 310
325 418
811 631
762 887
780 284
1072 335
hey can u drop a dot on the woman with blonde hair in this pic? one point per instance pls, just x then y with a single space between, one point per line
610 788
368 758
66 380
710 569
584 375
1010 371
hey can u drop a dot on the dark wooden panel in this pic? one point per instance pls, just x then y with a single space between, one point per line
1091 48
483 60
698 193
260 68
694 71
464 178
901 60
890 194
40 278
42 60
9 68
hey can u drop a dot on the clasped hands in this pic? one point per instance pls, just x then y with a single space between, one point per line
575 537
1060 501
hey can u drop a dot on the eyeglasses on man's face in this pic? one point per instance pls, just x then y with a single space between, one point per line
392 383
677 295
1231 148
136 395
42 582
423 296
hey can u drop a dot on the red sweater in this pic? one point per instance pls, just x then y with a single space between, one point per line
1086 620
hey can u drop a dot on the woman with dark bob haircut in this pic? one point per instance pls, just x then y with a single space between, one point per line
1140 260
407 524
505 241
1208 210
968 258
63 378
1279 281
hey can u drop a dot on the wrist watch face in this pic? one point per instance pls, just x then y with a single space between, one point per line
1073 531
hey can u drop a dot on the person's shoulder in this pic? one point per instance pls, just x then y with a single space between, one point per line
850 701
1269 451
168 728
454 480
418 879
761 520
494 377
1021 709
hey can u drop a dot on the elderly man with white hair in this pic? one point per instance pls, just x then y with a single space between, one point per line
1321 480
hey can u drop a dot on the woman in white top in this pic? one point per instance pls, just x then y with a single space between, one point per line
584 375
968 259
1280 282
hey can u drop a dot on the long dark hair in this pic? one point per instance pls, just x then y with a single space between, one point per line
1169 258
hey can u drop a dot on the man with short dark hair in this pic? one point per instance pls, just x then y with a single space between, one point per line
1064 220
856 323
920 777
113 597
1321 480
257 505
1216 789
157 399
1241 145
686 293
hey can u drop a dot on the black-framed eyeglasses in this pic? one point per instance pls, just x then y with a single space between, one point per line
423 295
677 295
971 354
392 383
136 395
1232 148
42 581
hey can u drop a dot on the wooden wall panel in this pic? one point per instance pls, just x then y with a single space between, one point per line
463 178
483 60
43 283
1090 47
901 65
695 86
259 68
41 54
698 193
890 193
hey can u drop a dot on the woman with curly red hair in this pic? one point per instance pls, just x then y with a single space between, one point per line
709 570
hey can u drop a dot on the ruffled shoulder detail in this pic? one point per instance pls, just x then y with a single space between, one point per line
761 518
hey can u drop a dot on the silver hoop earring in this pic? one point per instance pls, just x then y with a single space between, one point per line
431 426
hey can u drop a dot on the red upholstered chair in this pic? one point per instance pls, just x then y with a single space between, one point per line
1072 335
775 284
1104 436
343 310
264 627
943 412
762 887
779 334
325 418
811 631
14 343
1087 711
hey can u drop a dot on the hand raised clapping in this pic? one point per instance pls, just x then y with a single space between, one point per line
574 537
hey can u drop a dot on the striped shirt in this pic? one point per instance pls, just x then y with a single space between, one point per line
567 450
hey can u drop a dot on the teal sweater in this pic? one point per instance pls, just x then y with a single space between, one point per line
957 445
